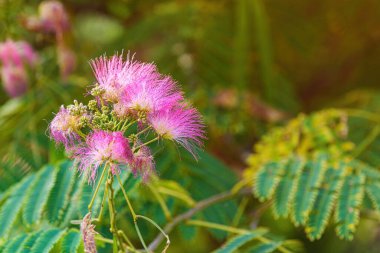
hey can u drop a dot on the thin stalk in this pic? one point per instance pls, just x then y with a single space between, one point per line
367 141
159 228
126 198
146 143
140 237
102 239
143 131
126 239
125 127
102 205
161 201
97 188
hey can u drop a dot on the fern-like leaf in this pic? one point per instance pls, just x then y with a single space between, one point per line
349 201
284 193
46 241
323 205
307 189
13 204
235 242
266 247
59 196
27 245
267 180
71 241
38 195
14 245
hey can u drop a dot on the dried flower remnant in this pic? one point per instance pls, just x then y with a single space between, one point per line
143 163
88 234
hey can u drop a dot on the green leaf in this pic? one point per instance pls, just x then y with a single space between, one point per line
71 241
267 179
265 247
14 245
59 195
38 195
285 191
46 241
307 189
235 242
323 205
349 201
373 192
29 242
13 204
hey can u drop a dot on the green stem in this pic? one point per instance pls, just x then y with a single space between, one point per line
97 187
126 239
161 201
363 114
146 143
366 142
140 237
159 228
126 198
125 127
102 205
217 226
143 131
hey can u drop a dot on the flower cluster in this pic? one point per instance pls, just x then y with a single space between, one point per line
133 106
15 57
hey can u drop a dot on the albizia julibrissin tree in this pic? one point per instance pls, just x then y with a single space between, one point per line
133 106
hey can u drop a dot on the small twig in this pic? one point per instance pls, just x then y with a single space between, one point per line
198 207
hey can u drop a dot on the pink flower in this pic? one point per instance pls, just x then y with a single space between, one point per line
53 17
88 234
151 94
15 56
15 80
180 124
143 163
66 61
116 76
63 128
17 53
102 147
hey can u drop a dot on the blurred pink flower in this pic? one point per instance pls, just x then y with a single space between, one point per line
66 61
102 147
180 124
15 80
53 17
15 57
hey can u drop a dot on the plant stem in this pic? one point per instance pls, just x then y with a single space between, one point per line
146 143
125 127
161 201
217 226
97 187
143 131
102 205
159 228
198 207
367 141
126 198
140 237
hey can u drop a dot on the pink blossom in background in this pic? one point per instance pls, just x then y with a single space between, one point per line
102 147
53 17
15 80
66 61
15 57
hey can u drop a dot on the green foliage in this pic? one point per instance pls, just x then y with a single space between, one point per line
237 241
43 241
308 168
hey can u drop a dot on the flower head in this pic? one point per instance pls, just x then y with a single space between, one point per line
151 94
17 53
53 17
102 147
63 128
88 234
183 125
15 80
143 163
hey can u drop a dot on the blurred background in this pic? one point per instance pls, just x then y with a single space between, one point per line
247 65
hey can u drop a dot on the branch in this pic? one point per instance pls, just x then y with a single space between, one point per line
198 207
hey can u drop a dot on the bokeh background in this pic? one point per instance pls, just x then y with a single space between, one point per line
247 65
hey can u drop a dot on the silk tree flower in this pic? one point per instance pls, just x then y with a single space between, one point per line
17 53
15 56
114 75
88 234
102 147
63 128
180 124
15 80
143 163
52 19
150 95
